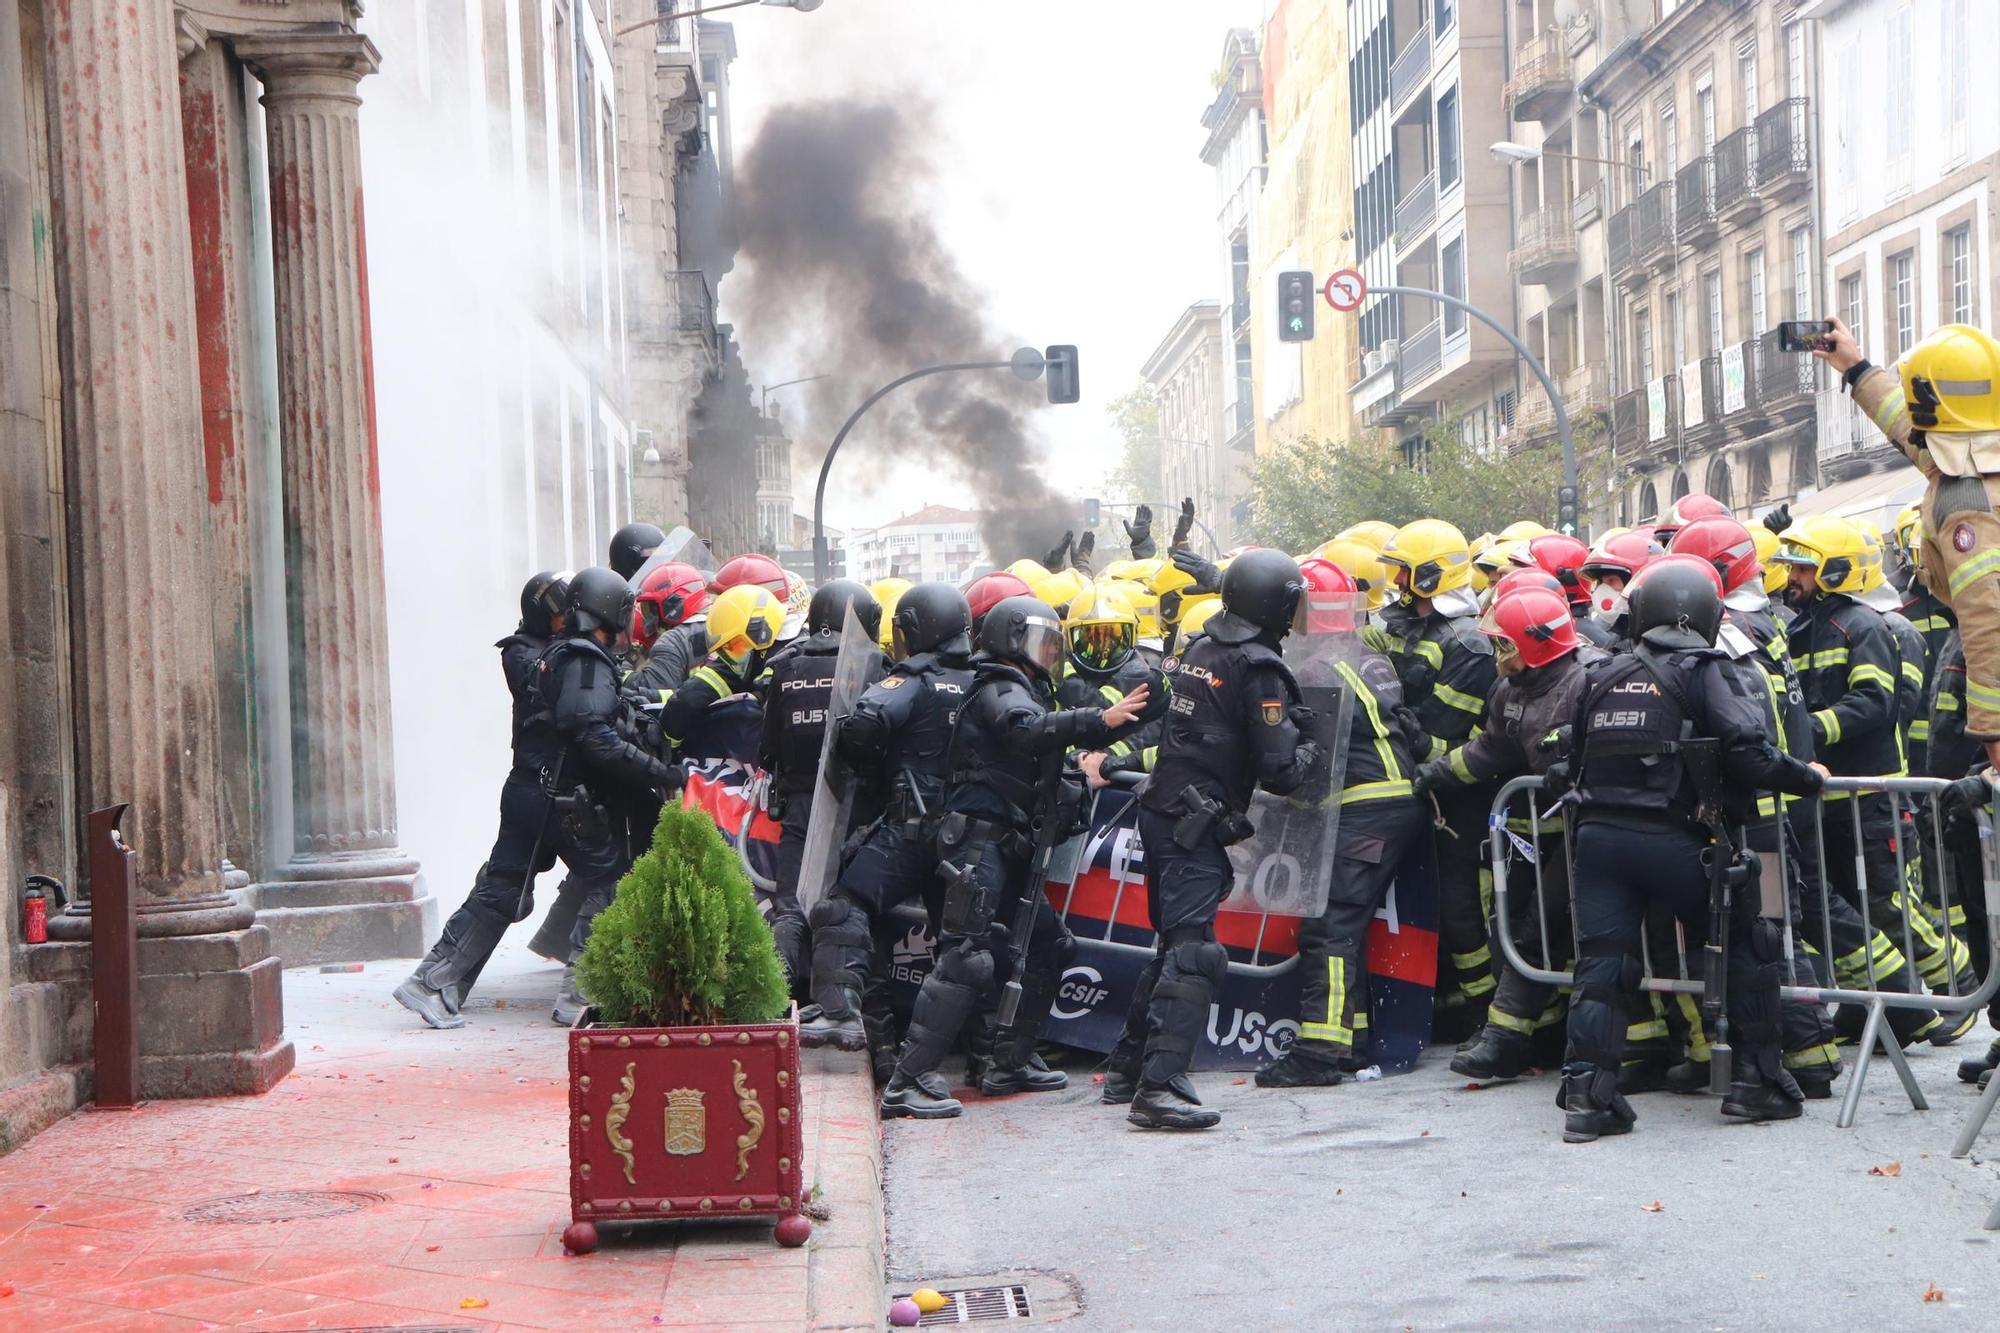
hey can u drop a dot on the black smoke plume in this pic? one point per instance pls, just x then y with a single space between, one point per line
835 245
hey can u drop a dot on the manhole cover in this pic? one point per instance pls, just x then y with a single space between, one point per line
1016 1297
281 1206
979 1305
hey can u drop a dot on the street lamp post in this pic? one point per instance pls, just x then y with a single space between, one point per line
803 6
764 391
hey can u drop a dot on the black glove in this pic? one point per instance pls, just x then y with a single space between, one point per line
1207 578
1779 519
1085 546
1961 798
1428 779
1060 555
1555 779
668 781
1183 525
1139 532
1302 717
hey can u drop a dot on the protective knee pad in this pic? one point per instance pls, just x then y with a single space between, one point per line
943 1006
1198 958
966 965
1604 978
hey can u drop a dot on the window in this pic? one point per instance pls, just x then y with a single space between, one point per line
1448 164
1899 115
1635 158
1956 76
1958 273
1754 308
1746 79
1454 285
1850 307
1670 142
1802 294
1711 296
1239 277
1676 333
1704 110
1447 14
1902 301
1642 344
1795 59
1847 161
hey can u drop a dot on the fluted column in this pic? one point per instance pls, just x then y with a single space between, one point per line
343 779
145 668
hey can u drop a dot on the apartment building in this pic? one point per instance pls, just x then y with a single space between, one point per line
1187 374
936 544
1235 149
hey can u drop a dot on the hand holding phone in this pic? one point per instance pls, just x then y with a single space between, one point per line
1806 335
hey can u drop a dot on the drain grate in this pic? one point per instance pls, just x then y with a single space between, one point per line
979 1305
281 1206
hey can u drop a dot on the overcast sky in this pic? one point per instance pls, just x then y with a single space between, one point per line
1070 185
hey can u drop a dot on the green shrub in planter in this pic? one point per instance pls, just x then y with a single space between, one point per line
683 944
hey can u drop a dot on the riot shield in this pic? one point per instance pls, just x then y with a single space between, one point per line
1286 867
681 544
857 667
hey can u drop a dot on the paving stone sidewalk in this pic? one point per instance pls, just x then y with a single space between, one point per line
454 1145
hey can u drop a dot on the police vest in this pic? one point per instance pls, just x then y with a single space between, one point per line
990 774
1632 729
796 695
1203 744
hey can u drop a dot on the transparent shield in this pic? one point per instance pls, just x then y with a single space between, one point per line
1286 867
856 668
681 544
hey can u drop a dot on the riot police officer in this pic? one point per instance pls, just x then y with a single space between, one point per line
1006 787
798 689
1669 741
1233 726
898 737
632 545
502 890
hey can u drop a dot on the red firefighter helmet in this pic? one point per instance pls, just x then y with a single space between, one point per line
1624 554
1331 597
1685 511
668 596
761 570
1724 543
989 590
1537 621
1564 558
1514 580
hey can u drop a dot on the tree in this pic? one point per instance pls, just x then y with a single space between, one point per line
1307 491
1138 475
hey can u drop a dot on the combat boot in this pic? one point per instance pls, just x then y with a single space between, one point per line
924 1096
1689 1078
1174 1106
1816 1084
1034 1076
1498 1053
1975 1069
1759 1101
571 1003
1592 1104
1120 1087
1953 1026
431 1006
1646 1074
838 1023
1300 1068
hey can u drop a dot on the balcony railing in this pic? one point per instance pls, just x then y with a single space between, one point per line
1628 425
1586 388
1590 203
1653 223
1417 210
1736 191
1542 76
1702 403
1784 148
1844 432
1618 245
1412 67
1777 380
690 306
1547 245
1422 353
1694 202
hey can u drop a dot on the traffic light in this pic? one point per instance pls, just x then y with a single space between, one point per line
1296 294
1566 511
1092 513
1065 384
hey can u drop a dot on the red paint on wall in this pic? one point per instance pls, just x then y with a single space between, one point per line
207 193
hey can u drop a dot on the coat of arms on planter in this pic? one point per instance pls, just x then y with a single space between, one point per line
687 1135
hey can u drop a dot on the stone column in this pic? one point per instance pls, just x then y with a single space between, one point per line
348 892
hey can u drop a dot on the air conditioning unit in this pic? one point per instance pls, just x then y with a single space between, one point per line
1373 362
1392 348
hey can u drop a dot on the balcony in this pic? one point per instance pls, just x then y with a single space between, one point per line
1585 390
1422 353
1412 68
1417 210
1542 77
1663 428
684 318
1701 410
1628 426
1618 250
1784 149
1547 249
1848 441
1776 381
1737 198
1590 203
1694 203
1653 225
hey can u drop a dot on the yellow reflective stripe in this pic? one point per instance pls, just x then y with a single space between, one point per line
1459 699
1867 672
1651 1030
1360 1023
1767 807
1480 957
1377 791
711 678
1930 623
1946 703
1891 407
1825 657
1336 1003
1429 651
1460 767
1973 570
1920 730
1698 1044
1481 985
1121 748
665 695
1776 650
1830 724
1913 673
1110 693
1500 1018
1383 750
1984 696
1437 747
1813 1057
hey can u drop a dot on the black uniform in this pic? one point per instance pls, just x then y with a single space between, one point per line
1638 842
1080 688
1231 728
675 653
798 689
1006 741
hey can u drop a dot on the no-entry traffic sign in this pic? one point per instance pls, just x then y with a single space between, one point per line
1346 289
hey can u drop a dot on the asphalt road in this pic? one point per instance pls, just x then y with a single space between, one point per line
1415 1202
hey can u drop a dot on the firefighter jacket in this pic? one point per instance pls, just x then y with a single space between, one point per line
673 655
1913 722
1446 666
1960 558
899 734
1951 753
1848 667
1135 745
1380 748
1766 646
1527 728
1007 731
1231 727
797 689
689 720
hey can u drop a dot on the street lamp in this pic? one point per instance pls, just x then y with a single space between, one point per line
803 6
764 391
1511 154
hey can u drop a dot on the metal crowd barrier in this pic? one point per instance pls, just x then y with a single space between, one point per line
1878 1001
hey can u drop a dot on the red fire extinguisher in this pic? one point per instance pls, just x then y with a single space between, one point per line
41 888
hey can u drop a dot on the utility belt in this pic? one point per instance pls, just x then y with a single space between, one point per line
585 819
907 811
1203 817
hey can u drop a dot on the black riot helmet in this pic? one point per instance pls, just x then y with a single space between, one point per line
543 598
1676 603
1263 592
630 546
827 611
1023 631
599 598
933 618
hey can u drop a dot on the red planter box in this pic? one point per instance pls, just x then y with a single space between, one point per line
684 1122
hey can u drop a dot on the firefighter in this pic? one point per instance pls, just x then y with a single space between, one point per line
1007 750
1613 563
1538 657
1684 511
898 738
1379 823
1847 666
989 590
1105 665
1955 756
743 624
502 889
1447 669
1233 725
798 689
669 615
1637 793
1941 407
1564 557
1363 564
